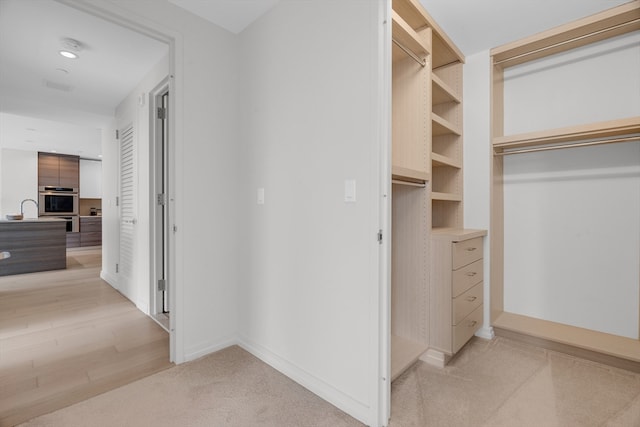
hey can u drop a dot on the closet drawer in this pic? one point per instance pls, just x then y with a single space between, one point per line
465 277
464 330
466 303
466 251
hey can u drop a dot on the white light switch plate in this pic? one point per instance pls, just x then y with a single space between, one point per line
350 190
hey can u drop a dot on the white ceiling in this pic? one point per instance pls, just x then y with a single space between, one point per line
112 62
477 25
115 59
232 15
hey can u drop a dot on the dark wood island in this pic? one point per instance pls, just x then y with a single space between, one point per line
34 244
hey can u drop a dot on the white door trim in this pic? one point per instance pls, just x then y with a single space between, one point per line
115 14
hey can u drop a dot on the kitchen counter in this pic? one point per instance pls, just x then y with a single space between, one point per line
39 219
35 244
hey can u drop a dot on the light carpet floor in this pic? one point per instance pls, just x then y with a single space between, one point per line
491 383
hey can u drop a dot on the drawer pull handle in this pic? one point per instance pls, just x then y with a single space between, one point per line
472 323
471 298
471 273
471 249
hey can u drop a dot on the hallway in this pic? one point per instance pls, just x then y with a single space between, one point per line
67 335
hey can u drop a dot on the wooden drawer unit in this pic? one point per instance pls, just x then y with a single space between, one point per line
456 291
90 231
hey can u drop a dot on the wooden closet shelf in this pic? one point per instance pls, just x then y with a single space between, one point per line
444 51
619 127
446 197
407 36
400 173
438 160
610 23
586 339
443 127
442 92
404 353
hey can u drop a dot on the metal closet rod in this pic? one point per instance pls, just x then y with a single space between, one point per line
561 146
422 62
584 36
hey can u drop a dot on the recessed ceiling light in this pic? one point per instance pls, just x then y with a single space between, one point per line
53 151
100 155
68 54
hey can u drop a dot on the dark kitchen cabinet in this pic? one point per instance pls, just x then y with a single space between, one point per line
90 231
58 170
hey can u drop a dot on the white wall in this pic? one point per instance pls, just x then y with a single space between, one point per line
18 181
309 292
477 158
572 217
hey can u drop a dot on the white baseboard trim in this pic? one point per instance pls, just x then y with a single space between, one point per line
197 352
435 358
486 333
326 391
109 278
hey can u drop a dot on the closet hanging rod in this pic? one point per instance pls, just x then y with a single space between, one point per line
579 144
571 40
409 183
422 62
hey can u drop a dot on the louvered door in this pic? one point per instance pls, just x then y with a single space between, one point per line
127 209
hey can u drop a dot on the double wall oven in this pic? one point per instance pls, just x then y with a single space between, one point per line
60 202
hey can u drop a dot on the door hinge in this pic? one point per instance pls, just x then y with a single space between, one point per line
161 199
380 236
117 134
117 268
162 285
161 113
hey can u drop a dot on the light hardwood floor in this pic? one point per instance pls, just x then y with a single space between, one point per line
67 335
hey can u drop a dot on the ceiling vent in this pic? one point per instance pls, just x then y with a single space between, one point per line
58 86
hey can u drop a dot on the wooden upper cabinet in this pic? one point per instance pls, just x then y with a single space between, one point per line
69 171
58 170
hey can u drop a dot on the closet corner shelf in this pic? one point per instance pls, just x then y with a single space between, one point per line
410 176
443 127
444 51
407 36
404 353
458 233
442 92
446 197
438 160
619 127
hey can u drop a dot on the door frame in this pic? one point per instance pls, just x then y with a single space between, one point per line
174 40
159 170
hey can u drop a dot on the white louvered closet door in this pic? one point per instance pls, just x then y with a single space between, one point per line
127 209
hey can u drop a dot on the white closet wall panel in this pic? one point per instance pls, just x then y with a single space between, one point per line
572 241
594 83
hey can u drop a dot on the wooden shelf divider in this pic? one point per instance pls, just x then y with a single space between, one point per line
442 92
443 127
447 197
439 160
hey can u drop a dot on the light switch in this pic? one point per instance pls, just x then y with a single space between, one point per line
261 196
350 190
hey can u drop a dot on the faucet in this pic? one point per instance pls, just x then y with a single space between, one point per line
22 205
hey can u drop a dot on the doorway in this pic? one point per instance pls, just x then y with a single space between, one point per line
160 235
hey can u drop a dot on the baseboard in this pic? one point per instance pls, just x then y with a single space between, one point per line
109 278
197 352
486 333
435 358
351 406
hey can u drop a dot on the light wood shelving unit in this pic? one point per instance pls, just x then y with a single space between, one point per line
426 168
619 20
